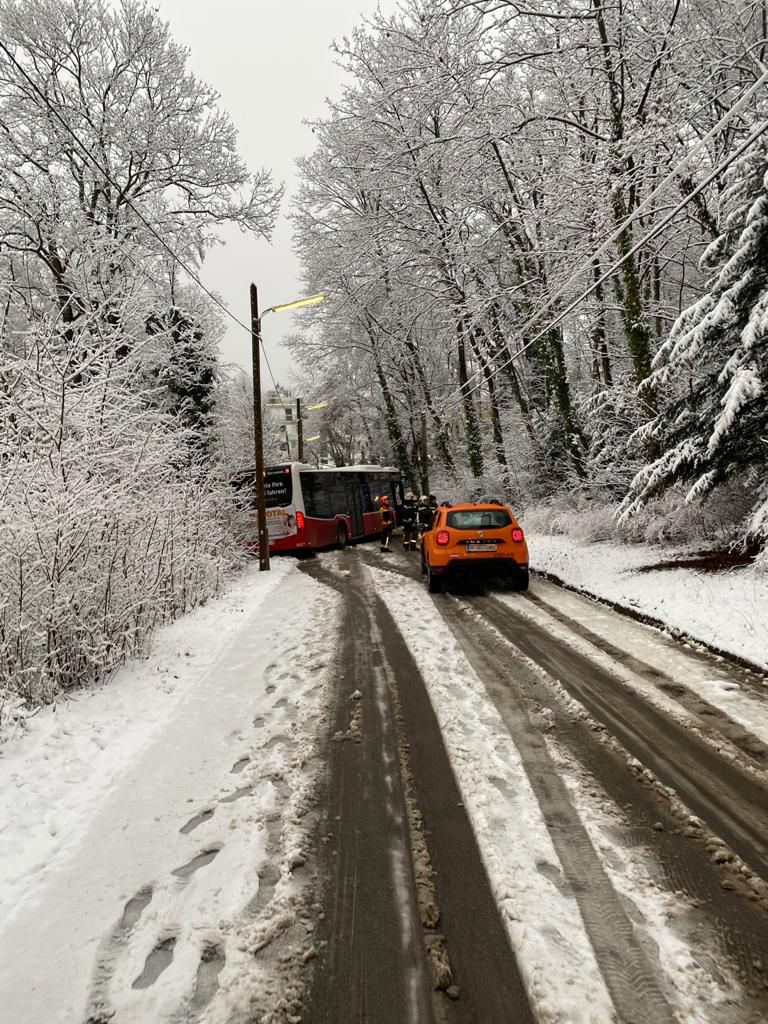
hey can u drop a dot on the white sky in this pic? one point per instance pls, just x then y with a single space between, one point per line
271 62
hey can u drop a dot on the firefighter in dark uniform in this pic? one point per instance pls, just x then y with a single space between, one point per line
425 514
409 514
432 505
387 522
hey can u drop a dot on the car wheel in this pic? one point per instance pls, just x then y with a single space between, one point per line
341 535
520 580
434 583
423 564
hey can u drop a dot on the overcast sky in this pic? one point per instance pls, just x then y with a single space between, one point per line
271 62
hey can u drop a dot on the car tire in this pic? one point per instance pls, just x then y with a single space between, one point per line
341 536
520 581
434 583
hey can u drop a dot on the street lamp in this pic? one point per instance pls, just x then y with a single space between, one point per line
258 436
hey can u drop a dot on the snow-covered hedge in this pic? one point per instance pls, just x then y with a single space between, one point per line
87 574
108 526
722 521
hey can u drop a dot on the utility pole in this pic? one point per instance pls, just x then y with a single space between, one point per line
299 430
258 436
424 462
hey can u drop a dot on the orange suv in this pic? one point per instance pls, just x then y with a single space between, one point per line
474 539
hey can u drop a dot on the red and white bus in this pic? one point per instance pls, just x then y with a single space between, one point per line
311 508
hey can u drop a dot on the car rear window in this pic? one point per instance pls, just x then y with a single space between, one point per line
479 519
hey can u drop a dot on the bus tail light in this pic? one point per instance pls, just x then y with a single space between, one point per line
517 535
442 538
300 522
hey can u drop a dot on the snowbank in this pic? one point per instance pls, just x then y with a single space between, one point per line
726 610
151 828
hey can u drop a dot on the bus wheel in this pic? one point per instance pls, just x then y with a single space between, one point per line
341 535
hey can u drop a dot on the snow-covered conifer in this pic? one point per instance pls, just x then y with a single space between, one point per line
713 369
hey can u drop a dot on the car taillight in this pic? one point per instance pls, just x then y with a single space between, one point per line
299 521
517 535
442 537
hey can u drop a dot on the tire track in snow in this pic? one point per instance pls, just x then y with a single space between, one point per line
554 956
360 976
732 802
713 719
372 966
710 936
634 981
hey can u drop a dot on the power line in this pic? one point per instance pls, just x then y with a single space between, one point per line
129 202
460 395
735 108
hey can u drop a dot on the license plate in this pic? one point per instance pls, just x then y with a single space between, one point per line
472 546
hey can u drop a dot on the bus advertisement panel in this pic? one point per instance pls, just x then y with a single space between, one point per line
281 507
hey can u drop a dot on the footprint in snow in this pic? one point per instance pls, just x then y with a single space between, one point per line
134 908
237 795
212 961
197 862
290 709
280 741
158 961
197 820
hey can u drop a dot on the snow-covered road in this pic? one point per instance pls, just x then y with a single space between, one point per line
330 795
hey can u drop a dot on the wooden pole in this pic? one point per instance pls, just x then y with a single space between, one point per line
299 430
258 435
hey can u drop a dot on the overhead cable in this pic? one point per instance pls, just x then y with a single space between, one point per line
129 202
461 394
736 108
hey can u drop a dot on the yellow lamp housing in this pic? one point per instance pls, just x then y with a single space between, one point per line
310 300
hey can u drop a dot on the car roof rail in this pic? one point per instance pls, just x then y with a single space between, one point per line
445 504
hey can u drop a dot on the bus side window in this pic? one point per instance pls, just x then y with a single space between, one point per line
339 502
309 490
365 491
382 486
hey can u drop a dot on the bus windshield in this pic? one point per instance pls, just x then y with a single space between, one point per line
278 486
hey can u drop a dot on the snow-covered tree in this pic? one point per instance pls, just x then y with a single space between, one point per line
485 165
713 368
117 168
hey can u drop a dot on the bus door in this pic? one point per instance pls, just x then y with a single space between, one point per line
355 503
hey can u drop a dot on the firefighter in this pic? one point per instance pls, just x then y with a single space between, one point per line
425 514
387 521
432 504
409 514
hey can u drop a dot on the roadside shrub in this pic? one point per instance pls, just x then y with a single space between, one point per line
107 530
722 521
